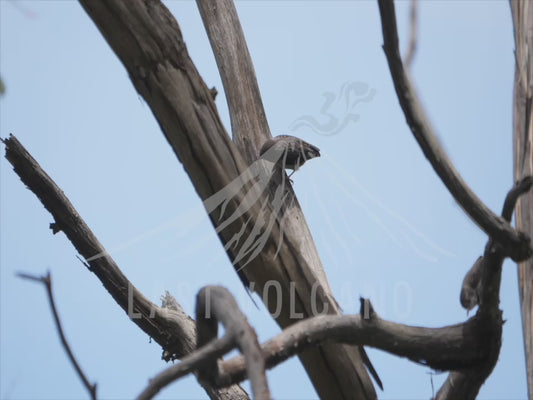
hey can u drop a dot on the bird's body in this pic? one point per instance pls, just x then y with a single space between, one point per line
290 150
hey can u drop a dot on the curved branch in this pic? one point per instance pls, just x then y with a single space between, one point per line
451 347
517 245
173 329
471 290
146 38
47 282
336 371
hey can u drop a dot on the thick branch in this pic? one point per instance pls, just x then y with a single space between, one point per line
248 120
447 348
332 369
172 329
516 244
47 282
261 245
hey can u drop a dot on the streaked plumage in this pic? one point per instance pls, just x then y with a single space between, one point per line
294 151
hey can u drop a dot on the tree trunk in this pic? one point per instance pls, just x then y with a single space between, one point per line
522 11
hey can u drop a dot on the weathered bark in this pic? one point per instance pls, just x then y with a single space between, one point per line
336 371
522 12
147 39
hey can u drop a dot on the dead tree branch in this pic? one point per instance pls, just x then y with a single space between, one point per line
516 244
332 369
174 330
249 125
455 346
47 282
465 383
147 40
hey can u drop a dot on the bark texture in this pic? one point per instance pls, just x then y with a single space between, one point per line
522 12
255 234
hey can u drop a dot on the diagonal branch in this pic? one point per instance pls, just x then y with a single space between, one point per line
248 119
517 245
147 40
47 282
336 371
451 347
173 329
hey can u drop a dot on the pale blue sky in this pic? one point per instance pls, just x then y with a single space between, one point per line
384 224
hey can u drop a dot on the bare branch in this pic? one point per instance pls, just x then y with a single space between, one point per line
471 290
336 371
174 330
452 347
413 33
517 245
47 282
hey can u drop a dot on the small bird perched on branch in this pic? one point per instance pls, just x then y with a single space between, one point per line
291 151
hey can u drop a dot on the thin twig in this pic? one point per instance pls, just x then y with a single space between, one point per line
47 282
517 245
413 34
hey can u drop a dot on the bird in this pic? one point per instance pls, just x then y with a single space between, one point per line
293 152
